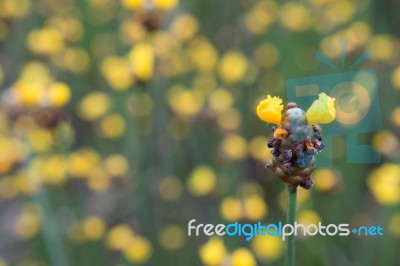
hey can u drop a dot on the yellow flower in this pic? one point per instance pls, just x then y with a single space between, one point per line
170 188
45 41
116 165
132 4
139 250
93 227
232 67
28 222
117 71
255 208
202 181
243 257
93 106
325 179
172 237
165 4
119 237
112 126
384 184
231 209
184 26
213 252
322 110
234 147
1 74
267 248
59 94
141 58
269 110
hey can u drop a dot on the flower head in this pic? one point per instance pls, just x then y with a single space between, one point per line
322 111
269 110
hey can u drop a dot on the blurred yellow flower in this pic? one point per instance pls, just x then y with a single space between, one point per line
29 94
166 45
93 227
295 17
141 58
3 262
261 16
382 47
234 147
394 225
54 169
75 234
28 221
184 102
82 162
40 140
119 237
267 248
243 257
232 67
322 110
46 41
70 28
58 94
266 55
184 26
27 182
98 180
213 252
8 189
257 149
270 110
255 208
112 126
385 142
14 8
93 106
229 120
231 209
307 217
74 60
11 152
396 116
172 238
116 165
396 78
170 188
165 4
133 4
220 100
325 179
384 183
202 180
203 54
139 250
118 72
1 75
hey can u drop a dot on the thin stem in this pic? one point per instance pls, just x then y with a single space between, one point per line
290 219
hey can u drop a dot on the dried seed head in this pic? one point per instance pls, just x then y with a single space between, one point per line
291 105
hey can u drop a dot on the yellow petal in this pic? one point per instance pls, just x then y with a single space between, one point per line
322 111
270 110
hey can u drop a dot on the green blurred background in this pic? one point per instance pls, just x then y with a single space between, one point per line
121 121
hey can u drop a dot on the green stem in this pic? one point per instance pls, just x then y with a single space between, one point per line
290 219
